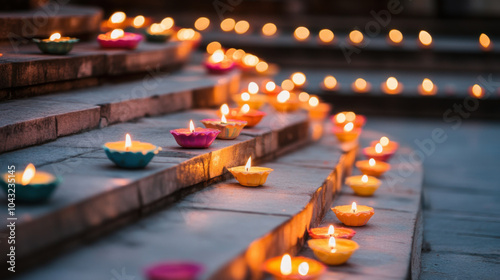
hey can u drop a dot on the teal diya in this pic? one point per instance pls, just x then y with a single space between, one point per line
130 154
229 129
29 186
56 44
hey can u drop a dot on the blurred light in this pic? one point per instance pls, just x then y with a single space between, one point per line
425 38
326 35
484 40
202 23
427 86
395 36
392 83
250 60
118 17
301 33
167 23
360 84
477 91
262 66
269 29
330 82
287 85
253 88
314 101
283 96
241 27
227 24
138 21
303 96
356 37
298 78
238 54
117 33
213 46
270 86
185 34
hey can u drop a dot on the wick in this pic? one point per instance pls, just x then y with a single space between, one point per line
353 210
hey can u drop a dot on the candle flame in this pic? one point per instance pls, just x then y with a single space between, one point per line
350 116
167 23
304 96
348 127
427 85
138 21
223 119
283 96
378 148
313 101
245 109
55 36
372 162
303 268
477 91
301 33
360 84
269 29
224 109
250 60
287 84
392 83
326 35
270 86
117 17
116 33
425 38
191 126
202 23
298 78
128 142
384 141
227 24
245 96
185 34
286 265
356 36
396 36
330 82
340 118
249 164
253 88
262 66
28 174
156 28
354 207
241 27
331 242
217 56
484 40
331 230
364 179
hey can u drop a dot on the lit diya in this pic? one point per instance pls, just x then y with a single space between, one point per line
378 153
250 176
372 167
56 44
392 86
363 185
158 34
330 231
251 97
285 102
353 215
270 88
192 137
30 185
130 154
386 144
297 268
118 39
252 117
333 251
347 133
219 63
317 110
174 271
342 118
229 129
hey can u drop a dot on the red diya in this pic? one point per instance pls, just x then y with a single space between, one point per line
327 232
378 153
174 271
218 63
342 118
347 133
229 129
117 39
192 137
387 145
251 116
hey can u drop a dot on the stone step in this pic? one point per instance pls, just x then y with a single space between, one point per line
95 195
27 72
56 16
27 122
228 228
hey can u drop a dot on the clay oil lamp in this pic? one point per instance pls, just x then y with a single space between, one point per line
252 97
130 154
378 153
333 251
353 215
270 88
252 117
285 102
363 185
219 63
174 270
348 133
342 118
197 138
387 144
118 39
250 176
296 268
30 186
317 110
331 231
229 129
56 44
372 167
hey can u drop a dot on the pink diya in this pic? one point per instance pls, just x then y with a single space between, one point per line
198 138
218 63
378 153
229 129
387 145
117 39
343 118
330 231
347 133
251 116
174 271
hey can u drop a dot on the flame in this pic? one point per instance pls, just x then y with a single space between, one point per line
249 164
348 127
350 116
372 162
283 96
217 56
340 118
128 142
269 29
245 109
286 265
138 21
223 119
331 230
287 84
55 36
395 36
354 207
360 84
156 28
356 36
202 23
301 33
427 85
425 38
227 24
28 174
303 268
298 78
484 40
326 35
253 88
331 242
262 66
241 27
392 83
213 46
185 34
117 17
477 91
116 33
238 54
167 23
313 101
191 126
250 60
384 141
304 96
270 86
224 109
364 179
378 148
330 82
245 96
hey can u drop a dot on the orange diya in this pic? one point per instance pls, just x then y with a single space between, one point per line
297 268
250 176
270 88
372 167
286 101
331 231
342 118
229 129
353 215
378 153
333 251
363 185
251 97
252 117
317 110
347 133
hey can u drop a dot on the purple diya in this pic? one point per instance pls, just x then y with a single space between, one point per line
174 271
198 138
229 129
117 39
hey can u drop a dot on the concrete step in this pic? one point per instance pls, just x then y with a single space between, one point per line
32 121
27 72
228 228
95 195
